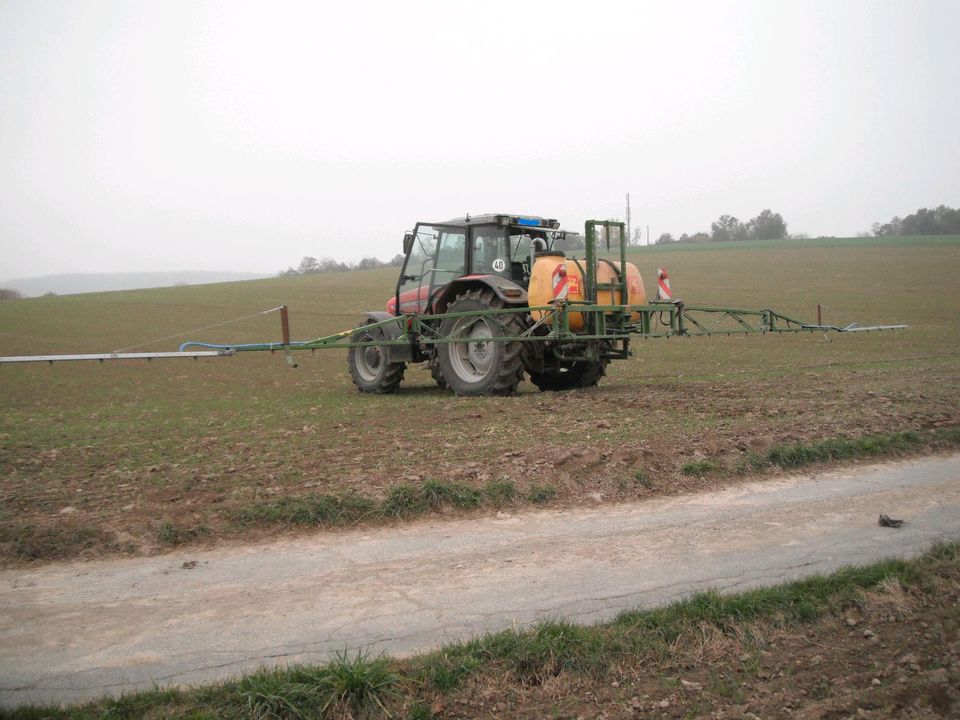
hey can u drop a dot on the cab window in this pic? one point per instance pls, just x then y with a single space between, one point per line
489 251
451 256
437 258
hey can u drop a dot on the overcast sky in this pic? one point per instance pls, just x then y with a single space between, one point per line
243 136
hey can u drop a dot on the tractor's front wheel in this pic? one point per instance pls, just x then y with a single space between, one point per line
479 365
369 368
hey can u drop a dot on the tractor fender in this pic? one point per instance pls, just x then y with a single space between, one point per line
506 290
390 331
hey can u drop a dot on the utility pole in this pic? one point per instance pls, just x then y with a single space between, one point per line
648 234
629 229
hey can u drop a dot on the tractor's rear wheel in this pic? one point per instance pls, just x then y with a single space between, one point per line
578 374
481 366
369 368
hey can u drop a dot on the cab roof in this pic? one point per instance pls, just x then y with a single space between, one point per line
531 221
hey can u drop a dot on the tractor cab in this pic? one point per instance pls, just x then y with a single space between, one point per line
494 250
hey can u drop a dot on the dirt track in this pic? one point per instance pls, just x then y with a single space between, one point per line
73 631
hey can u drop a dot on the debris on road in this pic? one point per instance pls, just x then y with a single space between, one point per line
887 521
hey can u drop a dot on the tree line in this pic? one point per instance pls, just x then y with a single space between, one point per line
768 225
941 220
311 266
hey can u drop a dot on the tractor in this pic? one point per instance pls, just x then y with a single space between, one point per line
475 279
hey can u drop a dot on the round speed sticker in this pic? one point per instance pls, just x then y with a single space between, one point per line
499 265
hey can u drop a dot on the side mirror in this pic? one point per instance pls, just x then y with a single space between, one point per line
407 243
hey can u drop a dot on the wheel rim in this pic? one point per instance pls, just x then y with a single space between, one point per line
369 361
473 361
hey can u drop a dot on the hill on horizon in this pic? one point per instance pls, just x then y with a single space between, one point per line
76 283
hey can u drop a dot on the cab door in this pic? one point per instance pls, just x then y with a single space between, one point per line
437 257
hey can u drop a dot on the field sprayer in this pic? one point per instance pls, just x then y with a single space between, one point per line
487 299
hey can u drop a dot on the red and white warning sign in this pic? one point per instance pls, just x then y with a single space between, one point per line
663 285
561 284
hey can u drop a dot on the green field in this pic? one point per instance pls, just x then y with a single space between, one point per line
132 457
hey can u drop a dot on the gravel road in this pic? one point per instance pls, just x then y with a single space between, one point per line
73 631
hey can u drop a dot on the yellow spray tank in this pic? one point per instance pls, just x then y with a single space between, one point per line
556 277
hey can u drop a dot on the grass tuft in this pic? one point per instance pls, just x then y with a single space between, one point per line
32 542
642 479
403 500
547 650
320 509
500 492
698 468
843 448
171 534
438 495
359 683
541 494
271 694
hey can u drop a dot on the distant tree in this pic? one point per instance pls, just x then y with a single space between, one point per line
368 263
942 220
700 237
726 228
10 294
684 238
665 238
637 238
308 265
328 264
767 225
892 228
50 293
397 260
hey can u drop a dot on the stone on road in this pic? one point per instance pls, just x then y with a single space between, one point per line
74 631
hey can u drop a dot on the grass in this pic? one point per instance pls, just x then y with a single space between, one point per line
121 443
844 448
540 494
404 500
310 510
361 686
30 542
698 467
170 534
500 492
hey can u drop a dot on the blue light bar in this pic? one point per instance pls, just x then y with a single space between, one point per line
529 222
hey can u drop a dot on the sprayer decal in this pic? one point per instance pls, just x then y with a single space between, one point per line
561 287
663 285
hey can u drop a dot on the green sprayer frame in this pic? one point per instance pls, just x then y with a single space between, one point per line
657 320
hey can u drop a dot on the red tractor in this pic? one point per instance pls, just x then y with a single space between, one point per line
488 263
